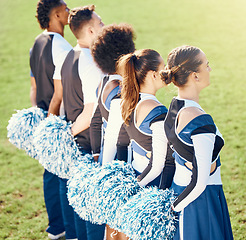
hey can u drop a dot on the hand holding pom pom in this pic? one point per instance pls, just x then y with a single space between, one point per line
55 146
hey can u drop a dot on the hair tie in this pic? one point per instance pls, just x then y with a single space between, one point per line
134 57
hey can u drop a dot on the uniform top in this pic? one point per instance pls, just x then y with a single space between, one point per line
199 143
104 105
141 136
47 56
80 78
150 159
106 93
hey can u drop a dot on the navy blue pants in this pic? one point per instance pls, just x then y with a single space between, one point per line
88 231
75 226
67 211
52 203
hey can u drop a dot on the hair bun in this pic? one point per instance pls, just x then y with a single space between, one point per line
166 76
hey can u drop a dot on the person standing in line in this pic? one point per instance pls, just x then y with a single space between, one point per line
144 116
112 42
80 79
46 58
197 142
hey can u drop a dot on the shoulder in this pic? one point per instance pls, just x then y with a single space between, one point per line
146 107
60 43
109 87
112 84
88 69
187 115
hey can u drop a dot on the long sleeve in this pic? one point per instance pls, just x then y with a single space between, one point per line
112 131
203 147
158 158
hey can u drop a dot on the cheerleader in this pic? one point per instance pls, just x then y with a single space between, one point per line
144 115
197 142
111 43
80 78
46 58
114 41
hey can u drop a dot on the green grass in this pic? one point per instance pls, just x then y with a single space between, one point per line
217 27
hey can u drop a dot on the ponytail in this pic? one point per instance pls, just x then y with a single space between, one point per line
130 85
133 68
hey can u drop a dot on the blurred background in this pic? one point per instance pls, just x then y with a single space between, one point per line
217 27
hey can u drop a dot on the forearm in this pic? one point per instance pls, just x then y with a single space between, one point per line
54 107
55 103
83 121
33 93
203 148
33 97
112 131
159 149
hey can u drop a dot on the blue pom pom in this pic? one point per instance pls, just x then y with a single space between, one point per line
148 215
55 146
21 127
79 185
111 186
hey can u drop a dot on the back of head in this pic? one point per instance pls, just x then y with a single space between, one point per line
112 42
134 68
181 62
78 17
44 8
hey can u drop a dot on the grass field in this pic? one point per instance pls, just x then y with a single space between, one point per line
217 27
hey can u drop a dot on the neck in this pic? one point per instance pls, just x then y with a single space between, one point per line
189 94
56 28
83 43
147 89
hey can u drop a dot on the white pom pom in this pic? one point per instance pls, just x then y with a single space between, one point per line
148 215
21 127
55 146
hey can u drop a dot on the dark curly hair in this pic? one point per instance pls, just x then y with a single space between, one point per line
111 43
181 61
43 11
80 16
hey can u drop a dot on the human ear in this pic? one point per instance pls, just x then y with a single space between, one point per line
90 30
195 76
57 14
154 73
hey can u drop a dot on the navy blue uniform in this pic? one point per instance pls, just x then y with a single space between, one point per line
141 138
201 204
